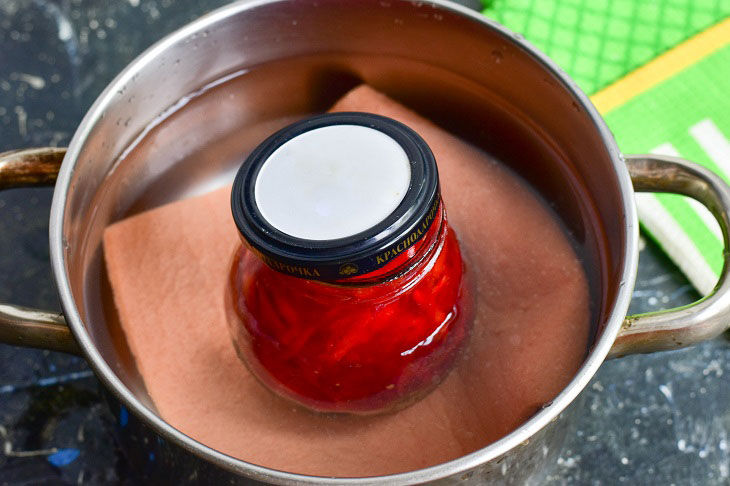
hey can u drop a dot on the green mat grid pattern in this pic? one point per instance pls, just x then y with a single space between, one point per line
599 41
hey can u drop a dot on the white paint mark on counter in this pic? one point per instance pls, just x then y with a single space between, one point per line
65 30
22 120
667 392
35 82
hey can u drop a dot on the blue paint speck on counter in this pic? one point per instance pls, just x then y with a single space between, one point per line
123 416
63 457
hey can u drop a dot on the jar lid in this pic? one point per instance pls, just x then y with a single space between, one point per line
336 195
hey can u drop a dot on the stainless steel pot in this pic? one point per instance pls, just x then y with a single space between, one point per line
454 66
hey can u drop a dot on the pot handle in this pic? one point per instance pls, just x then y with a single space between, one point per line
21 326
708 317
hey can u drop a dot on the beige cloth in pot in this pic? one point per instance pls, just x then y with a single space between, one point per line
168 268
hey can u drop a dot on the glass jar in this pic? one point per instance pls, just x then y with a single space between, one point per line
356 300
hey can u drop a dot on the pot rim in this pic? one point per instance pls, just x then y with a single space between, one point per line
463 464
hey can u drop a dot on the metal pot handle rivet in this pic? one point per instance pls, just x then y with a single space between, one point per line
710 316
21 326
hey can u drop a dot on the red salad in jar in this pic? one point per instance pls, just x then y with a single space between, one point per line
349 292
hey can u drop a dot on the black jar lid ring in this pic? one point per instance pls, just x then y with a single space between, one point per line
354 255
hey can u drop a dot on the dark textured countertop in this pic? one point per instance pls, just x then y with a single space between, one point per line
657 419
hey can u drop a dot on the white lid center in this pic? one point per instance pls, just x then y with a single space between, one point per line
332 182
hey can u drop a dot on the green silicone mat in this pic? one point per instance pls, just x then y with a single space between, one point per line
599 41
